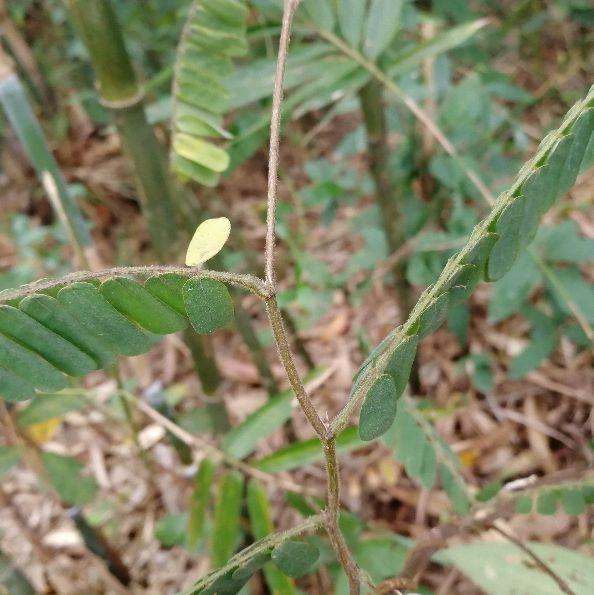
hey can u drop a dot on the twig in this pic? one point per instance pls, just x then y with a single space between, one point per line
275 125
563 586
249 282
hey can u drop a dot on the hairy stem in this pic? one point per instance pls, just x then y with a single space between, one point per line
332 517
286 357
249 282
275 126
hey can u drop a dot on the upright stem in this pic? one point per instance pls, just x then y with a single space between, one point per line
122 95
275 125
388 198
327 438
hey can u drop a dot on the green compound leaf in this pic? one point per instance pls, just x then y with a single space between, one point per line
295 558
214 33
496 241
208 304
379 409
226 520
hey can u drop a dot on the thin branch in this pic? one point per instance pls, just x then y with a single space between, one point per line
275 125
249 282
286 356
332 516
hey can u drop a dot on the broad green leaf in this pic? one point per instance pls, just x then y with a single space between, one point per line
295 558
350 19
246 571
139 305
208 240
379 409
45 407
10 456
505 569
434 315
55 316
243 438
306 452
261 526
428 467
199 502
208 304
383 21
99 318
564 243
62 354
225 532
65 475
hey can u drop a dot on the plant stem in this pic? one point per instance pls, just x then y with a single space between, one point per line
332 514
327 438
286 357
275 126
121 94
249 282
388 198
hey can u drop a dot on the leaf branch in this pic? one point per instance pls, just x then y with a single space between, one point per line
249 282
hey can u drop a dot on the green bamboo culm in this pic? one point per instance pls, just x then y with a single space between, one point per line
120 92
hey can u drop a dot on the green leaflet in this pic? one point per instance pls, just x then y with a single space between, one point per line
98 317
226 520
23 329
243 438
199 502
295 558
65 476
261 526
30 367
138 304
168 288
379 409
214 33
208 304
13 387
497 240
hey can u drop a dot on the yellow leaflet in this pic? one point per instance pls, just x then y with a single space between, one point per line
44 431
210 236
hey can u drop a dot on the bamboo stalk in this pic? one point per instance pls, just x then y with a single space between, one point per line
122 95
